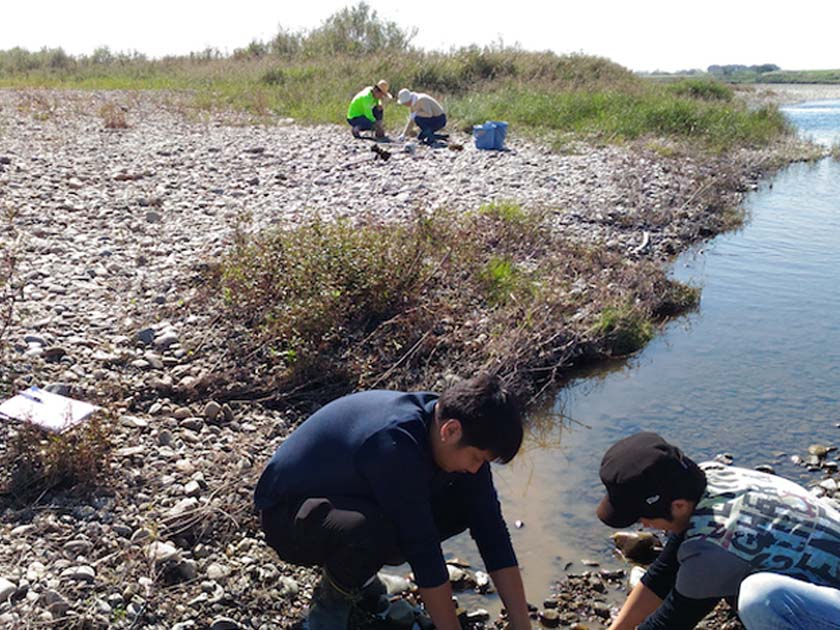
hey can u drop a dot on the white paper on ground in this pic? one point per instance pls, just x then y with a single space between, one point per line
47 410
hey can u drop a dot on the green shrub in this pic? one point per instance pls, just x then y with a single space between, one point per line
703 89
510 211
305 289
625 330
341 306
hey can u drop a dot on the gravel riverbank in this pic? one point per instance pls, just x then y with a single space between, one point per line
113 221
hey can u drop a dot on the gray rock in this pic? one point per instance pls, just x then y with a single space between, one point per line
193 424
829 485
168 338
77 547
146 336
81 573
133 422
62 389
287 586
184 505
187 569
182 413
55 602
217 571
818 450
212 410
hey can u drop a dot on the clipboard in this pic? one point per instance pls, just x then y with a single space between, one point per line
51 412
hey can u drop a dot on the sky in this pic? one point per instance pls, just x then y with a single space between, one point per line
642 35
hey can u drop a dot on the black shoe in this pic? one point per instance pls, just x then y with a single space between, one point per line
331 605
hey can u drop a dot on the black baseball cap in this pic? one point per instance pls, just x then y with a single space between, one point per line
643 474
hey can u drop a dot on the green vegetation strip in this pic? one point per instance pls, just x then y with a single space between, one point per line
311 77
340 306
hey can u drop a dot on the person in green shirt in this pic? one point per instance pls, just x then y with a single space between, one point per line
365 111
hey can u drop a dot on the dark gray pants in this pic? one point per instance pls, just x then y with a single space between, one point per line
349 536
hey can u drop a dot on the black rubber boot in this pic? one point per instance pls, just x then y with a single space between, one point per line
331 605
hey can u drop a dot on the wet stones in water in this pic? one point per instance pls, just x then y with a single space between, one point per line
818 450
641 547
482 583
612 576
581 598
766 468
549 618
460 579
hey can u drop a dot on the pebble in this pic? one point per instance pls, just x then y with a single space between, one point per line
160 552
216 571
133 422
212 410
82 573
829 485
549 618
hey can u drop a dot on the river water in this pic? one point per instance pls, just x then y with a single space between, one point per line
754 371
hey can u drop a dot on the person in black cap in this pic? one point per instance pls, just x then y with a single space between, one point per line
760 540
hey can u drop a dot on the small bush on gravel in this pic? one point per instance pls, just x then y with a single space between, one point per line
35 462
113 116
330 307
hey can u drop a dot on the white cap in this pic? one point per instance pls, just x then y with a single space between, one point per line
404 96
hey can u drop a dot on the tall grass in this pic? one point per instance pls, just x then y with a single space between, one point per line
536 92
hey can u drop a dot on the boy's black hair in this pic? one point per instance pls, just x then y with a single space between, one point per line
490 416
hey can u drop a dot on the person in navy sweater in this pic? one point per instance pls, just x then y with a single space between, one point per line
382 477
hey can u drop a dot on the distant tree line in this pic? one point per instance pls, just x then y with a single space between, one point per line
356 30
730 69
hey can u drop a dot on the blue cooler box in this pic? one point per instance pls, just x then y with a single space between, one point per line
490 135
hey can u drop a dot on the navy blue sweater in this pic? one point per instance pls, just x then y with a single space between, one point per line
376 445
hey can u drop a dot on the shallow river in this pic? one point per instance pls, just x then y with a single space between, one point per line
754 372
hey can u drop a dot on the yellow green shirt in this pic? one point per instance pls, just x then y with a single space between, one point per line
363 104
